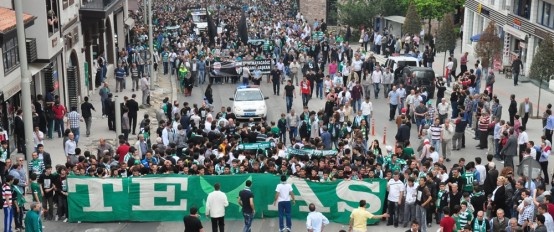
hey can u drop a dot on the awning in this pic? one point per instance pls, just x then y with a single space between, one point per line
130 22
35 68
475 38
515 32
396 19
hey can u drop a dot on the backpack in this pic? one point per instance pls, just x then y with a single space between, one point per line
172 136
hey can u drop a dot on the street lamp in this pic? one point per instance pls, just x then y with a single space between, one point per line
151 46
25 80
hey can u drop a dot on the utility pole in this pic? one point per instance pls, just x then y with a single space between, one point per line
25 80
153 73
145 11
117 116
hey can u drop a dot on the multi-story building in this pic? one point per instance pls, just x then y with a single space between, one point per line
63 40
522 25
10 73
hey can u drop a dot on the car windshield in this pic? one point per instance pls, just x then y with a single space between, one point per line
252 95
424 77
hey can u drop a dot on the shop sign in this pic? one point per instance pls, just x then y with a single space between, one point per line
517 24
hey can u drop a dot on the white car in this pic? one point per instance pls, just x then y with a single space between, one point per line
249 102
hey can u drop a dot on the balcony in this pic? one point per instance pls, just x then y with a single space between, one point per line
99 8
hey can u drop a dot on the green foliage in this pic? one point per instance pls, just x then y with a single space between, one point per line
489 45
446 36
541 68
434 9
356 13
391 7
412 23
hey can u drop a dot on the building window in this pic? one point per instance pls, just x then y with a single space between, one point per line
545 16
52 16
522 8
10 55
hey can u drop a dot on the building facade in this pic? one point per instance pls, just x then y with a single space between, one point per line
522 25
63 40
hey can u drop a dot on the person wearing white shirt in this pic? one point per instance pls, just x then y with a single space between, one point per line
434 155
410 199
166 133
283 197
377 78
444 110
396 191
70 146
542 209
367 109
215 208
522 141
481 170
401 91
38 137
357 65
316 221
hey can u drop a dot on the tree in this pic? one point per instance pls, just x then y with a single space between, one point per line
446 36
541 68
435 9
412 23
356 13
489 46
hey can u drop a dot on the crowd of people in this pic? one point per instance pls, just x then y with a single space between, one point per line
195 139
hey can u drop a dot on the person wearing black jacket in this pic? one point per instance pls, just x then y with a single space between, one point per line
133 107
46 158
86 112
110 111
442 201
512 110
60 181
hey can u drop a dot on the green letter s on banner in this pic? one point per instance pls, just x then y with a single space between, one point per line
168 197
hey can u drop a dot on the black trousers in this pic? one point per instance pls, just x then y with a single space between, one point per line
525 119
218 223
133 122
111 122
276 87
544 167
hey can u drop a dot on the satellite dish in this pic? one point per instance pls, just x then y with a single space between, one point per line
529 167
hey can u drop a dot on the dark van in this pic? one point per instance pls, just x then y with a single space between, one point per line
425 77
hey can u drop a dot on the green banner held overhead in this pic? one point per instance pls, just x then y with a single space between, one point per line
168 197
254 146
310 152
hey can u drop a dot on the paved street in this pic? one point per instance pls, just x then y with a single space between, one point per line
276 105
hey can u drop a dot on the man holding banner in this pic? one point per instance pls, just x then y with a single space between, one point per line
283 196
359 216
246 200
215 208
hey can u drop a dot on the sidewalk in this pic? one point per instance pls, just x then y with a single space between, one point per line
99 128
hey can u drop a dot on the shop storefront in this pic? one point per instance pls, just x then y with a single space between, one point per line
10 102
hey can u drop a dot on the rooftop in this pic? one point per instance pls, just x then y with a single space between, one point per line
8 22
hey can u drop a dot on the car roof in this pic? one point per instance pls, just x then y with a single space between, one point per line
413 68
403 58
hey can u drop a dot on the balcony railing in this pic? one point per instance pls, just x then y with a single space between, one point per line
97 4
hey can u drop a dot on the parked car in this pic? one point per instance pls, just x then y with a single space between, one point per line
397 64
424 77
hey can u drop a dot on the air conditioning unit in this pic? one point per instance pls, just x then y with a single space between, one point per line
31 45
72 86
48 78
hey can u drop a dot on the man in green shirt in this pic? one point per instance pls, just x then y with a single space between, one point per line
36 165
35 188
32 219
